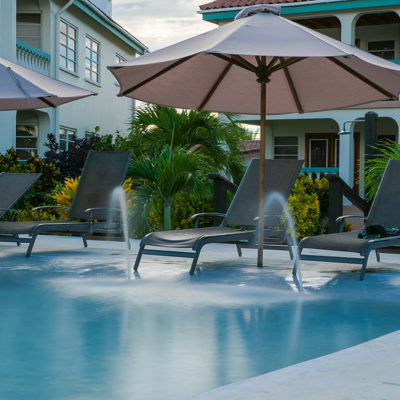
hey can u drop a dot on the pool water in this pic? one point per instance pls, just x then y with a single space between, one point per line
77 338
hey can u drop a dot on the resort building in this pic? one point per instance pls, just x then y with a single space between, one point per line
373 26
73 41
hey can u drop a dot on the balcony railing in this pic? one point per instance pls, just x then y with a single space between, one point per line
33 58
317 173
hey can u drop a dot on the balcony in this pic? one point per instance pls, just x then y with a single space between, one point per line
33 58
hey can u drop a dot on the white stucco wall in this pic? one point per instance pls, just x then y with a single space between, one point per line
106 110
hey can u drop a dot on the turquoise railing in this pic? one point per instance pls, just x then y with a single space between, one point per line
32 58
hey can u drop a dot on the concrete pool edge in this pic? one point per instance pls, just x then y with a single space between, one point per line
369 370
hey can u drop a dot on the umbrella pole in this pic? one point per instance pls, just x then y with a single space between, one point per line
260 239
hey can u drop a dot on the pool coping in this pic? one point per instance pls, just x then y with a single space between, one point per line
369 370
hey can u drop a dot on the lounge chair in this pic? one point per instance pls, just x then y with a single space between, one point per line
90 210
12 187
384 211
280 176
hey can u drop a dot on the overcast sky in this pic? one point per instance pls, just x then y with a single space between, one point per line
159 23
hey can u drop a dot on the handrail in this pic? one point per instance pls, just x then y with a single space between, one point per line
337 189
220 188
229 185
349 193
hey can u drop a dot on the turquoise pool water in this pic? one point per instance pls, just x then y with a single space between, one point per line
83 338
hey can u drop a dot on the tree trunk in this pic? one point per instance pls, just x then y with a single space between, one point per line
167 216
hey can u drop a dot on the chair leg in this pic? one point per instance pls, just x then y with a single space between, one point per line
84 241
17 237
138 258
31 243
378 256
290 249
194 262
364 267
297 259
239 250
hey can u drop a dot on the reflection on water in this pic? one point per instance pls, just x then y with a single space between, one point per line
76 339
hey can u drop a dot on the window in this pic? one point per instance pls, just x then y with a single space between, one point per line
67 136
68 46
285 147
92 60
29 29
318 153
382 48
119 59
26 141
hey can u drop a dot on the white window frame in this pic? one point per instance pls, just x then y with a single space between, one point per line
375 52
68 132
68 50
288 156
32 150
89 62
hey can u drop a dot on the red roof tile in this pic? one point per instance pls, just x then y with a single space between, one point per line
243 3
249 147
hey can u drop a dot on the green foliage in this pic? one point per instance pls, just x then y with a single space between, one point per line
40 193
154 127
159 179
308 204
187 204
375 167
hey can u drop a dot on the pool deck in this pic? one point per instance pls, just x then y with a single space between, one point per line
368 371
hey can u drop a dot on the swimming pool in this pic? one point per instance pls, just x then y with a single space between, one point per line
69 337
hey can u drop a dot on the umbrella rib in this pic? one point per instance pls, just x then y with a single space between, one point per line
287 63
215 86
47 102
234 61
244 62
155 76
293 90
363 78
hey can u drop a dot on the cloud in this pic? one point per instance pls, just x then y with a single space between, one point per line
158 23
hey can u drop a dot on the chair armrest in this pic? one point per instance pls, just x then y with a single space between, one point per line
91 210
196 217
278 217
40 208
340 220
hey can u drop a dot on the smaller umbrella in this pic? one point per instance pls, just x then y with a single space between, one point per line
22 89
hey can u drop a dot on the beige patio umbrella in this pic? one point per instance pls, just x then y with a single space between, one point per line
262 64
22 89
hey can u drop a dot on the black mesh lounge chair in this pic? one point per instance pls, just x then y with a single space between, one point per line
90 209
280 176
384 211
12 187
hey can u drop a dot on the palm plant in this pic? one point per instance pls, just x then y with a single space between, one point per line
161 178
153 127
375 166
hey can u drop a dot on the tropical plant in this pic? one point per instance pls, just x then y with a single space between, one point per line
153 127
38 194
70 162
63 195
160 178
375 166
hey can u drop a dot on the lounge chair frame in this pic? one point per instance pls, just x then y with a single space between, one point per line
93 220
223 234
381 213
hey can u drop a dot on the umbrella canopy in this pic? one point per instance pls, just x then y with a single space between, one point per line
262 64
217 70
22 89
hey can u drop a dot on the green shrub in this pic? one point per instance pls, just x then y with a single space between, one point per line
41 191
308 204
